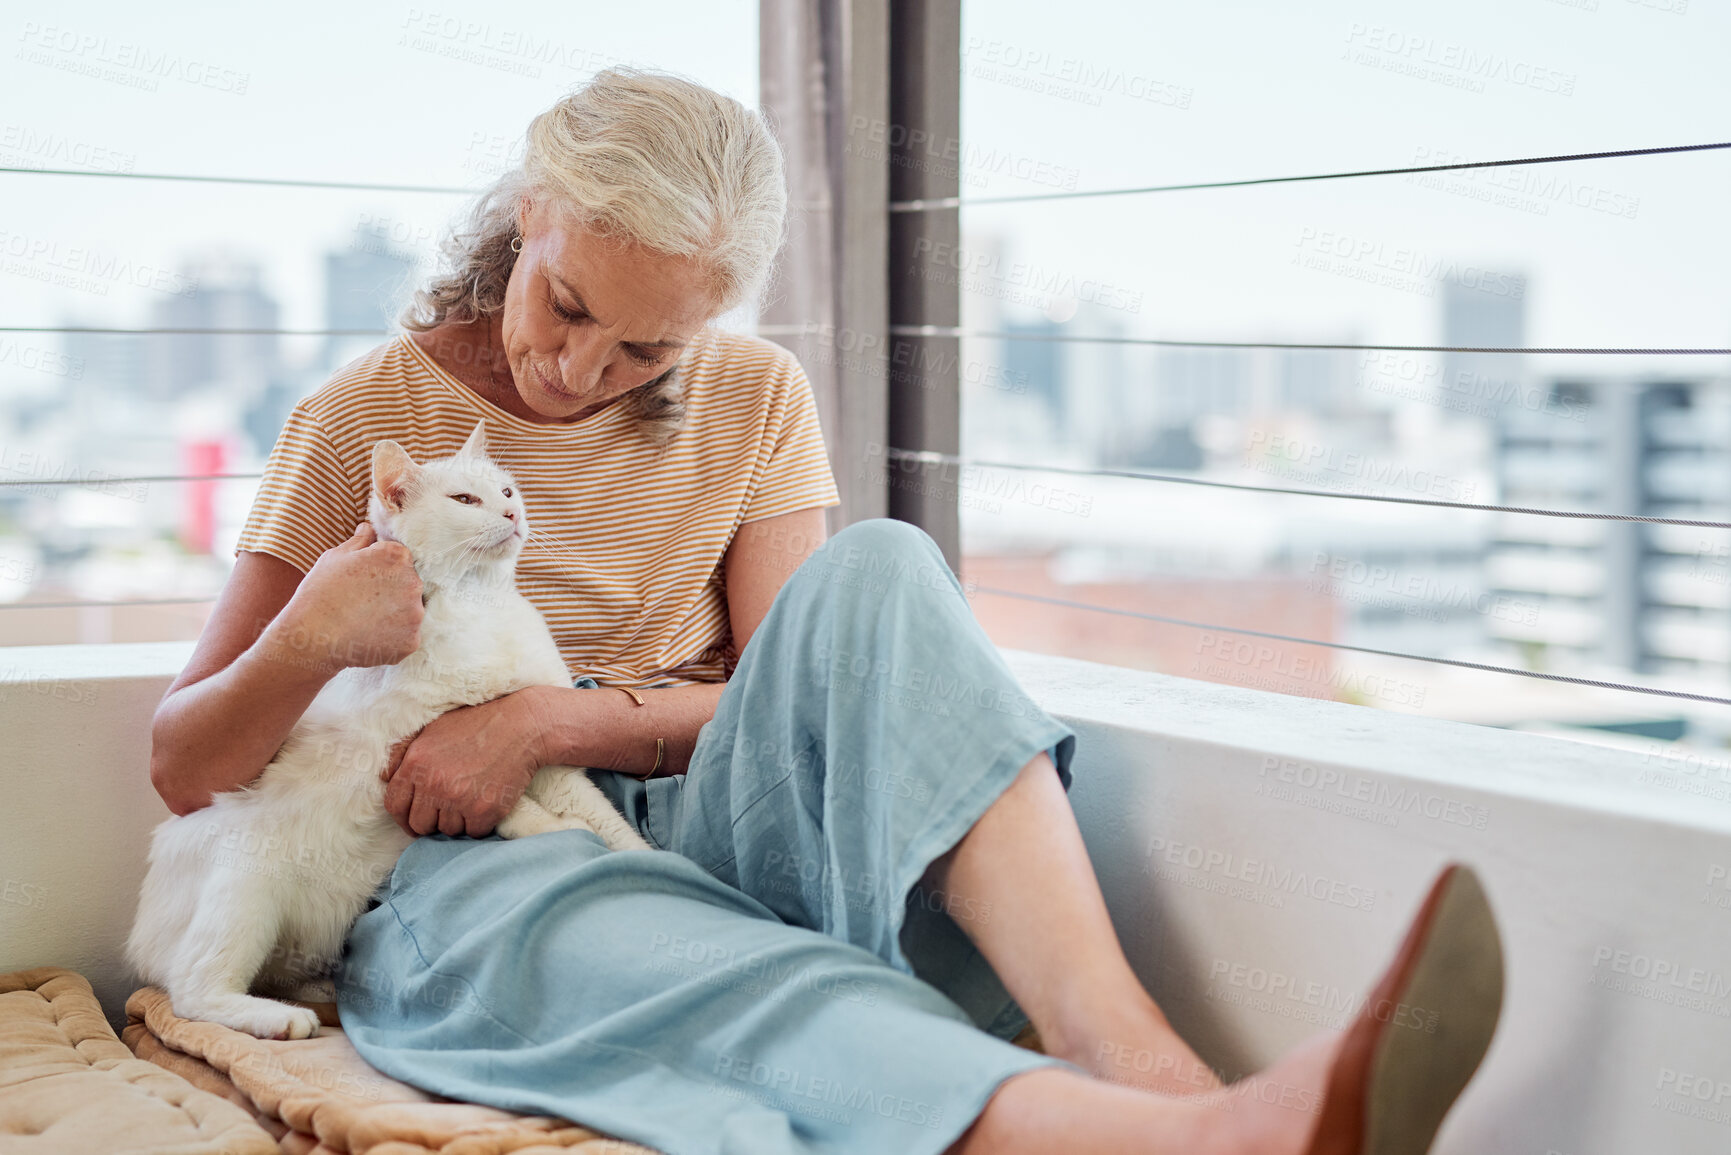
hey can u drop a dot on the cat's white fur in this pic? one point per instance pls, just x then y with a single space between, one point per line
261 886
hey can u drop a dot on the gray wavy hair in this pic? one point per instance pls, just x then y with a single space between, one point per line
642 157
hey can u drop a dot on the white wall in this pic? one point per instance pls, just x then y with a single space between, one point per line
1599 862
1593 872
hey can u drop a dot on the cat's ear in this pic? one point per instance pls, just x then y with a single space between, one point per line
476 446
394 474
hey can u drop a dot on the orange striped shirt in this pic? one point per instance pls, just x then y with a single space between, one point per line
631 585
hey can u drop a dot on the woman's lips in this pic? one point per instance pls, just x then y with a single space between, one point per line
556 390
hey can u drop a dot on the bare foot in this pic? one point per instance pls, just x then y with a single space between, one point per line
1134 1046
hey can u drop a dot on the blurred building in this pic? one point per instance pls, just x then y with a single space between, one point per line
366 286
1488 313
1641 597
229 296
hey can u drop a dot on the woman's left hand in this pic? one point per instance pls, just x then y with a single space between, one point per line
466 768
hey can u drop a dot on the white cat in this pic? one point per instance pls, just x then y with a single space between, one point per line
264 883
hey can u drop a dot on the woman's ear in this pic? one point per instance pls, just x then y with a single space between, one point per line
394 474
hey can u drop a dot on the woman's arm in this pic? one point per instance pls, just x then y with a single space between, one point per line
466 769
621 735
272 641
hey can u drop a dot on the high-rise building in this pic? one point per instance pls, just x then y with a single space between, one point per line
366 285
1640 597
229 295
1487 314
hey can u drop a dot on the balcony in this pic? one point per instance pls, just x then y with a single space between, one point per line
1253 385
1260 854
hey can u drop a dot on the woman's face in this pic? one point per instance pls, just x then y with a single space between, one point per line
586 319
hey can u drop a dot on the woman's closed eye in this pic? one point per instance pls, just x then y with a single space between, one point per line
572 315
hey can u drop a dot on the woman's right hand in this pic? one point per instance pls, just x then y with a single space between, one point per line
359 605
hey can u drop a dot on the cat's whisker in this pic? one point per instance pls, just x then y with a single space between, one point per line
552 545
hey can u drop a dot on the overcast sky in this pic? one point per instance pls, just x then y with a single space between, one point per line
1113 93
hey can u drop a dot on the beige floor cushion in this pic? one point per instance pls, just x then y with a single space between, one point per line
320 1097
68 1085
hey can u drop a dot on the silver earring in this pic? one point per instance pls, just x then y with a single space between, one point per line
516 244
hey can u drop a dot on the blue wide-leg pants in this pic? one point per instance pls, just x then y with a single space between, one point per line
773 980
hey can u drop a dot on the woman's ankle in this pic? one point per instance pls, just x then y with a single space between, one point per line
1130 1044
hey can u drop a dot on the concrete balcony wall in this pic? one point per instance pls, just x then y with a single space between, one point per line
1261 855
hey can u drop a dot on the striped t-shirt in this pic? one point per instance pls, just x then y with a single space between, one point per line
632 586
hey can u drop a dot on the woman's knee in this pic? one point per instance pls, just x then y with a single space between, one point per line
881 551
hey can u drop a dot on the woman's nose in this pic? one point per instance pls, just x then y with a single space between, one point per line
584 357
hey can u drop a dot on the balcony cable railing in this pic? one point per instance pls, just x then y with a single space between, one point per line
118 480
1486 667
948 331
1085 339
928 205
269 182
931 458
933 204
174 330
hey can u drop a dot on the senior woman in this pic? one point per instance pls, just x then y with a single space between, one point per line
869 877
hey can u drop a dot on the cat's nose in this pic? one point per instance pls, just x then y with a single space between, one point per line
510 515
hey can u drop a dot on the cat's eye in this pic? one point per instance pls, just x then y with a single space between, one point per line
506 491
466 498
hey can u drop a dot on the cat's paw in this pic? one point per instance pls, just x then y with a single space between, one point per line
289 1023
261 1018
